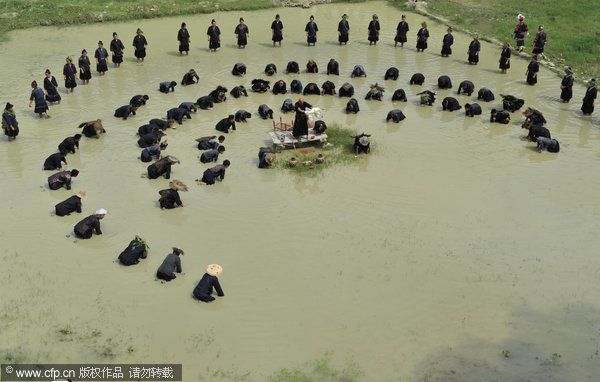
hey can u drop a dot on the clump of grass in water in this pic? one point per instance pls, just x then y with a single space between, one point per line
339 152
319 370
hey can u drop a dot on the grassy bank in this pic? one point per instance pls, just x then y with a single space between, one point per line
18 14
573 27
337 151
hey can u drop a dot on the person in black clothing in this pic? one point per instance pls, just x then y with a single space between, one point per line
444 82
183 36
472 109
116 49
427 97
300 119
328 87
92 129
239 69
374 30
417 79
210 142
51 88
136 250
392 73
214 173
190 78
226 123
447 43
238 91
296 87
53 162
277 31
532 71
566 85
212 155
320 127
511 103
161 124
72 204
401 31
242 115
589 100
333 67
395 115
422 37
312 88
270 69
62 178
343 30
85 228
287 106
138 100
466 87
219 94
399 95
69 144
500 116
153 150
265 111
539 41
505 57
292 67
169 198
189 106
536 130
352 106
242 33
177 114
162 167
450 104
376 93
167 86
362 144
346 90
266 157
124 111
171 264
311 30
485 95
214 36
139 45
312 67
520 31
474 48
204 289
279 87
205 103
358 71
150 139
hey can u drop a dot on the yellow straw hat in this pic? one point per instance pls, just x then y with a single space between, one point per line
214 269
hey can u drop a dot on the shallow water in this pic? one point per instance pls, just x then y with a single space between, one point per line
454 241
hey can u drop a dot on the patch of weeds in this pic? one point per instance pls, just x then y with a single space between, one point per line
319 370
108 350
553 360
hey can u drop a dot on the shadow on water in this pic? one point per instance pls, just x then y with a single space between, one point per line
567 352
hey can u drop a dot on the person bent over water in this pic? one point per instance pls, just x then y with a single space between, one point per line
10 125
270 69
162 167
417 79
37 94
280 87
333 67
219 94
472 109
486 95
154 150
85 228
352 106
266 157
450 104
212 155
215 173
292 67
358 71
210 143
169 198
189 106
136 250
346 90
204 289
395 115
328 88
69 144
399 95
287 106
499 116
205 103
92 129
296 87
265 111
312 67
427 97
139 100
312 88
61 179
125 111
444 82
392 74
166 86
238 91
511 103
466 87
171 264
551 145
177 114
72 204
362 144
242 115
53 162
226 123
239 69
190 78
376 93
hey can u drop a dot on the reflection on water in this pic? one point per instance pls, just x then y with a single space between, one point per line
439 239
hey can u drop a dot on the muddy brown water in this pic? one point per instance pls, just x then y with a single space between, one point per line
453 241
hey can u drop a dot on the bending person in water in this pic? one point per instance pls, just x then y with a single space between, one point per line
214 173
170 265
61 179
72 204
69 144
136 250
212 155
92 129
204 289
169 198
162 167
85 228
154 150
53 162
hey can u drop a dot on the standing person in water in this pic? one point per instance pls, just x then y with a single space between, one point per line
277 31
343 30
422 37
532 71
10 125
566 85
401 31
183 36
85 70
589 100
101 59
51 88
116 49
214 36
170 265
37 94
70 75
242 33
139 45
204 289
374 30
311 30
447 43
473 51
520 32
505 57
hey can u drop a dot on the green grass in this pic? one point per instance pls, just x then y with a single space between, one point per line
573 27
18 14
319 370
337 151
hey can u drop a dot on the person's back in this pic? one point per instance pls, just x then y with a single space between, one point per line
204 289
171 264
72 204
137 249
537 130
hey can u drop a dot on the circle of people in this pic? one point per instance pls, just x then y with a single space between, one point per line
151 134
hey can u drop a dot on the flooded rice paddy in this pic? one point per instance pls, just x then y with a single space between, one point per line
454 241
